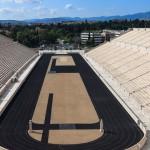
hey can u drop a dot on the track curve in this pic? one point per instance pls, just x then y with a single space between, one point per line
120 133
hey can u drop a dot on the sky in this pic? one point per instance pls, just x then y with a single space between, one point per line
30 9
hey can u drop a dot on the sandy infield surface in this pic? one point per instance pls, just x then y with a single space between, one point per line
71 105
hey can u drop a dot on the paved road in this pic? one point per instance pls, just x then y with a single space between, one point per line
120 130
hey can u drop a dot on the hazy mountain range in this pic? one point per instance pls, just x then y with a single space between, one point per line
141 16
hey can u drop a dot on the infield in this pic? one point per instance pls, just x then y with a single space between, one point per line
71 104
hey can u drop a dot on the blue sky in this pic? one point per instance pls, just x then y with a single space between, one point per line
28 9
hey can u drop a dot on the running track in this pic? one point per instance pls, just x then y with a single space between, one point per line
120 130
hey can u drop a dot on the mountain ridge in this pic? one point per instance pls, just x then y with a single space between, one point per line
140 16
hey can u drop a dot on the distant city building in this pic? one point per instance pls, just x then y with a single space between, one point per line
95 36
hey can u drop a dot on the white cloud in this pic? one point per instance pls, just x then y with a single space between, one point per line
42 11
22 1
72 7
11 10
27 1
6 1
13 13
80 9
69 6
21 13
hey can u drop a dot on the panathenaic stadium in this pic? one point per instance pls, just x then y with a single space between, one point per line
76 100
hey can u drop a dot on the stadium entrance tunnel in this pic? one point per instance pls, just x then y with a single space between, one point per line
57 111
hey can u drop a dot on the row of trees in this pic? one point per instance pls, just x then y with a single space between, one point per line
34 38
36 35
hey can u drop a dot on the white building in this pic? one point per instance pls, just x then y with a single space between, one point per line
96 36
